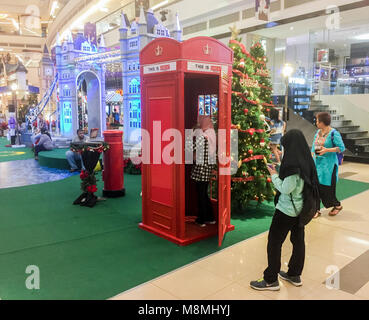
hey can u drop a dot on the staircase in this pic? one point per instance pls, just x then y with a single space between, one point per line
356 139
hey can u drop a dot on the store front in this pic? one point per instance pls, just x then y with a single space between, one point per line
325 61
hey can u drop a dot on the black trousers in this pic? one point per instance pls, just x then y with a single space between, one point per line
204 203
328 193
39 149
278 232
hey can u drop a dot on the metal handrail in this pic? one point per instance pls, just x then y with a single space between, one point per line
34 112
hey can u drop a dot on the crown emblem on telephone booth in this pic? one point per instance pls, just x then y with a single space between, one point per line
158 51
207 50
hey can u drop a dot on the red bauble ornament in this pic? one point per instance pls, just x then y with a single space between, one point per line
252 131
242 63
251 151
246 111
268 110
269 180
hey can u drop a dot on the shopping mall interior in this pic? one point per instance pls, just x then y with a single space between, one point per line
86 87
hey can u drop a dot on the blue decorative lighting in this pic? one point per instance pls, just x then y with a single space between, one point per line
271 24
67 118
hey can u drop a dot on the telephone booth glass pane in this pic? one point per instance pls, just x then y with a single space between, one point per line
214 104
201 105
207 105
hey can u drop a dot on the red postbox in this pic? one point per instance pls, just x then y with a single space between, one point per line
180 81
113 174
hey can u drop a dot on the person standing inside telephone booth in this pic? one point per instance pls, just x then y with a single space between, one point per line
203 168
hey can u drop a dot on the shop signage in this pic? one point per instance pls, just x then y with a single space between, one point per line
164 67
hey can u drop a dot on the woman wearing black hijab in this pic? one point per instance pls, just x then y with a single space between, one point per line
297 169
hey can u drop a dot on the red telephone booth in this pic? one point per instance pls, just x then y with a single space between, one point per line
180 81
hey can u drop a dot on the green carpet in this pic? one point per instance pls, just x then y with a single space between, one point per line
10 154
54 159
97 253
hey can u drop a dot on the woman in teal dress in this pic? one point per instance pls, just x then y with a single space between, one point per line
327 143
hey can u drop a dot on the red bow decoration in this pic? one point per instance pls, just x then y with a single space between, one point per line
92 189
84 175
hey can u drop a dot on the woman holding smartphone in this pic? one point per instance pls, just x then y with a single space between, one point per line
327 143
297 170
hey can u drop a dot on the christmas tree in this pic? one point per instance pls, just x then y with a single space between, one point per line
260 60
252 180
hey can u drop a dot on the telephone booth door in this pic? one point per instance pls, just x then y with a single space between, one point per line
224 164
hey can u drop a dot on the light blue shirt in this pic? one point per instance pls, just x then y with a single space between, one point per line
325 163
291 185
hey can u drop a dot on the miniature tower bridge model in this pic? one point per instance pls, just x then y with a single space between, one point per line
81 71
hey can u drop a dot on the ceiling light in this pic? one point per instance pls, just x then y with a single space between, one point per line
54 6
15 24
287 70
364 36
104 10
3 15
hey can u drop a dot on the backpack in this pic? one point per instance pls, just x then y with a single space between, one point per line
311 203
339 154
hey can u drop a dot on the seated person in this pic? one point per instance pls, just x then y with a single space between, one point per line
45 143
35 138
73 157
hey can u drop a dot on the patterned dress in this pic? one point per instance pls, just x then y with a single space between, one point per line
204 164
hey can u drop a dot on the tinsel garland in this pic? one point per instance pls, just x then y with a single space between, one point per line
245 52
240 74
268 105
243 48
248 130
100 149
262 73
265 87
248 179
240 94
259 157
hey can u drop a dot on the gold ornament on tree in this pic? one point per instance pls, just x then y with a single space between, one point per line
235 32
